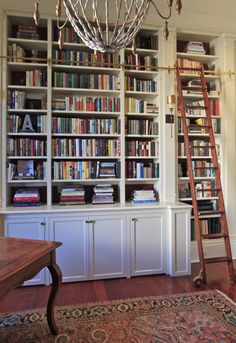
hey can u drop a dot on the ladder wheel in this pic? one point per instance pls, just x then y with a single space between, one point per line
198 281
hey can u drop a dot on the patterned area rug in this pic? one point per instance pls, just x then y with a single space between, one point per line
207 316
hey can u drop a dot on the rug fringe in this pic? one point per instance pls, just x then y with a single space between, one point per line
226 297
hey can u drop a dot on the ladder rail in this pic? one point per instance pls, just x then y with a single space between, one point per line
224 224
190 171
217 177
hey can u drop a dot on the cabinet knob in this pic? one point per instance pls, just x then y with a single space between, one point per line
42 224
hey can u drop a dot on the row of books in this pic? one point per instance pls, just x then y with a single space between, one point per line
142 148
85 58
197 148
83 103
87 81
141 170
139 62
68 35
146 42
85 147
135 85
15 123
208 226
198 108
199 125
36 78
141 127
133 105
85 125
26 147
19 100
186 63
16 53
204 189
85 170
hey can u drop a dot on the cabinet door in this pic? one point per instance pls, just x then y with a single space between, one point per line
27 227
107 246
147 243
72 256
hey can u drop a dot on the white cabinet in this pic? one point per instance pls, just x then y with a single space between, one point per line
72 256
147 243
107 246
93 247
27 227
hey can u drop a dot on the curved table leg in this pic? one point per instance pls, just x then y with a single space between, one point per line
56 275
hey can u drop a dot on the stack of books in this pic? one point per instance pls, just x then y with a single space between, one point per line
152 108
72 195
26 197
103 194
27 32
144 196
194 47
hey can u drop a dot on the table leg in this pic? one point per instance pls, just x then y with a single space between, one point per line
56 275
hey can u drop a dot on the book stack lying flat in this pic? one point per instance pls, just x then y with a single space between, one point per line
144 196
26 197
194 47
103 194
72 195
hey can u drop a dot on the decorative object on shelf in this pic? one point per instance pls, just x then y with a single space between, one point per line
107 36
170 117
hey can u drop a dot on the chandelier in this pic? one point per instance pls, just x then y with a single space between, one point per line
106 25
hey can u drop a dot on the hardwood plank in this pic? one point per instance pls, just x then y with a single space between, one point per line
30 297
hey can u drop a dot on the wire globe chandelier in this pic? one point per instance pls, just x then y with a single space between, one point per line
106 25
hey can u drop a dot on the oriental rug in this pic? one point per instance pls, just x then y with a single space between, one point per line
207 316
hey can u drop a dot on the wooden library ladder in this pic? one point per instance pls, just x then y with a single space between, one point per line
213 168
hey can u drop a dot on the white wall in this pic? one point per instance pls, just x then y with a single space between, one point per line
206 15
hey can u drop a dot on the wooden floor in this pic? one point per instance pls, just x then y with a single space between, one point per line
25 298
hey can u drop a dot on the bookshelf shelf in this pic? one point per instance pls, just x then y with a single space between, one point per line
31 111
198 57
86 91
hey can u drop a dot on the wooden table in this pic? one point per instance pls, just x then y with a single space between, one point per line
21 259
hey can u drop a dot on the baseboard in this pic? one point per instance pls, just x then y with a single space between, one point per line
213 248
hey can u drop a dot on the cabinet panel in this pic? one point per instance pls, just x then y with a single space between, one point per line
72 256
107 247
27 227
147 244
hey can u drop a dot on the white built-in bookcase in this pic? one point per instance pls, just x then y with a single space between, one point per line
137 130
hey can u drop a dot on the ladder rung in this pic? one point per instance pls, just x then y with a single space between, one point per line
198 88
217 259
204 213
188 68
209 189
200 146
197 126
205 167
195 107
214 235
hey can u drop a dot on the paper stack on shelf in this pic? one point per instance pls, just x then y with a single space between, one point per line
103 194
26 197
144 196
72 195
194 47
